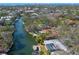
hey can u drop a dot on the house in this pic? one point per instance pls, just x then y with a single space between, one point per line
54 33
29 11
33 34
54 45
34 15
44 31
36 49
70 22
7 19
2 22
76 17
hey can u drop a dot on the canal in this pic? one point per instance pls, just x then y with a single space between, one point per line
22 41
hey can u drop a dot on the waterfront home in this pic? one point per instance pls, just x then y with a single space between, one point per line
44 31
53 45
33 34
49 45
36 49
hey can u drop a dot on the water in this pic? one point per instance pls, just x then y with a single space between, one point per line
22 41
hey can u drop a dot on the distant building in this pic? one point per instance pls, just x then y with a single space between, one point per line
54 45
29 11
76 17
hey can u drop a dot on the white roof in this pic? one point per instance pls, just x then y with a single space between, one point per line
57 43
50 41
29 11
2 17
7 19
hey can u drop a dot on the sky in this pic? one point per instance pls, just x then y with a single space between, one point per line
39 1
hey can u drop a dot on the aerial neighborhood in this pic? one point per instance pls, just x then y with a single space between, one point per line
39 30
